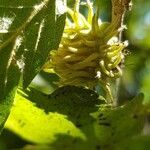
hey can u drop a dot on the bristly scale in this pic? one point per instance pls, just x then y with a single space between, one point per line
89 51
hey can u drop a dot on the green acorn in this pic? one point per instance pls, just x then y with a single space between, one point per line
89 52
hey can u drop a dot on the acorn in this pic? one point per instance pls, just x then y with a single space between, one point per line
89 52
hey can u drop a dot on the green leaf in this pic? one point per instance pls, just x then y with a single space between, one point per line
39 30
42 35
132 143
9 70
119 123
74 117
37 147
9 78
135 143
27 34
9 92
62 116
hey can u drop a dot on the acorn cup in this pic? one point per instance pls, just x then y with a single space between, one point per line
89 52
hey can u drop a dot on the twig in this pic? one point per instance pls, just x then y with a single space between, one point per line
119 8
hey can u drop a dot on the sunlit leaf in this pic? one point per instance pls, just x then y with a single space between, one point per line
28 31
9 70
59 116
74 117
8 83
42 35
8 95
38 27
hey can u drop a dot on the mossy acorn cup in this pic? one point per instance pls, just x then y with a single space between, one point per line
89 52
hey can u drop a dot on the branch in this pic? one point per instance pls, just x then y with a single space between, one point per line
119 7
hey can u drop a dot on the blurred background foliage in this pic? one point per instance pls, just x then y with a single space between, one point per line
136 77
